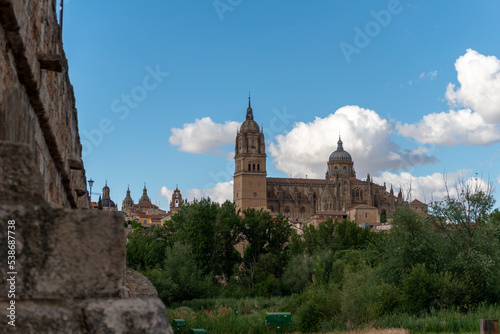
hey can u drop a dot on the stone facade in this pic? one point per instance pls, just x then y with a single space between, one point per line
249 188
69 263
339 195
37 103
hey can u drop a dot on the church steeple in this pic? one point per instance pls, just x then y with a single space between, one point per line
249 189
128 201
144 197
249 109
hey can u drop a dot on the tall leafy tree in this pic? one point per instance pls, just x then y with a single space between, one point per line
211 231
464 216
264 235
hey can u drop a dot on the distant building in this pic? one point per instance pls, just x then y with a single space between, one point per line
309 201
147 213
107 203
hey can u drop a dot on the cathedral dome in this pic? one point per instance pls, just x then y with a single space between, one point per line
340 155
249 126
108 203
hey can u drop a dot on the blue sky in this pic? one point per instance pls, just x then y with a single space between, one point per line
162 86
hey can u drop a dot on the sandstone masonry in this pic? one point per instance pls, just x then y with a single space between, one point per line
69 263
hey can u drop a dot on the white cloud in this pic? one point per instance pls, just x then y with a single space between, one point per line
166 194
429 187
479 78
366 136
451 128
204 135
221 192
431 75
479 94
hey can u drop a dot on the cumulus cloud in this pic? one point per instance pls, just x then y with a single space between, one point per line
452 128
221 192
429 187
204 135
478 94
366 136
479 78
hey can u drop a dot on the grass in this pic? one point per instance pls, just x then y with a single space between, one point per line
219 316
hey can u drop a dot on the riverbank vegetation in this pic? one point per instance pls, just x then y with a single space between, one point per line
430 273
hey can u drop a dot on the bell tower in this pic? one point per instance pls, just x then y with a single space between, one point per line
249 188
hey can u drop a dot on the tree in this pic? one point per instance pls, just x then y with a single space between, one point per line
180 278
146 248
348 235
99 204
264 234
461 215
411 241
211 231
465 218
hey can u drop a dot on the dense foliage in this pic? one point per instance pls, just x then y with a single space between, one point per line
449 259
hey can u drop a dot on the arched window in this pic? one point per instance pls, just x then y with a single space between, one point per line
253 166
258 167
336 169
357 192
345 170
249 167
271 208
361 194
287 209
302 209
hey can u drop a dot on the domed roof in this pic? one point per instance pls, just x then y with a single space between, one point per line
249 126
108 203
340 155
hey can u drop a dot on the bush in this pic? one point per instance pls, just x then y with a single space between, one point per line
424 290
318 303
180 278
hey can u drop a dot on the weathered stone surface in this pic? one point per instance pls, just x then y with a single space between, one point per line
137 285
64 253
69 263
37 107
129 315
36 318
19 181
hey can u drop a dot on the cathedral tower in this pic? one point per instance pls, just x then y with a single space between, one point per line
128 201
176 200
249 189
145 197
340 170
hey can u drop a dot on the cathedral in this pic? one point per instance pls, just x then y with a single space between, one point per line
308 201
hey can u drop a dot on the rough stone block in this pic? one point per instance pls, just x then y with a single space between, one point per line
19 181
137 285
35 318
63 253
130 315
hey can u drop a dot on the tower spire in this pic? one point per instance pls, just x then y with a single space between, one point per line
339 144
249 109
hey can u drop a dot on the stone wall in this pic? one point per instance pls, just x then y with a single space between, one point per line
68 265
37 103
